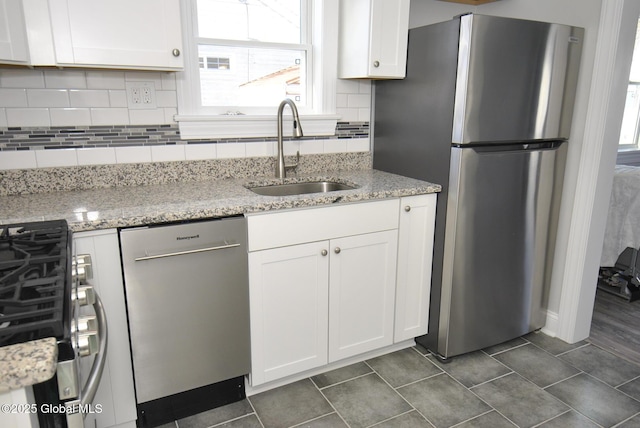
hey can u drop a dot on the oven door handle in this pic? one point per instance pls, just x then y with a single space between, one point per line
75 418
91 387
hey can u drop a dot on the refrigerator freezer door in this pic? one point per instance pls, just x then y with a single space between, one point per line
516 80
500 232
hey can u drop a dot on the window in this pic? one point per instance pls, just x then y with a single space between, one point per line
630 130
243 57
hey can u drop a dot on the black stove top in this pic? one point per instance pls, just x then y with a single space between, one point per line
35 281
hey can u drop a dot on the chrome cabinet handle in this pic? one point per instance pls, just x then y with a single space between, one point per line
180 253
407 208
376 64
324 252
337 250
176 52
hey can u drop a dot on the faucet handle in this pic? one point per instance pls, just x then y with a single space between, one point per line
293 165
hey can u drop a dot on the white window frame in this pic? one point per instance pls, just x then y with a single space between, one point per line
318 118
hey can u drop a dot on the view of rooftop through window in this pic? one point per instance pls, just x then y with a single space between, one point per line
252 52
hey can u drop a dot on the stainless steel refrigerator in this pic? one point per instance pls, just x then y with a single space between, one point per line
485 110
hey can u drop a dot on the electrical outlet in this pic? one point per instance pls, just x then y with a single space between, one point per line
141 95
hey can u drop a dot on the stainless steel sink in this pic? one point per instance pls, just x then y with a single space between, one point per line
289 189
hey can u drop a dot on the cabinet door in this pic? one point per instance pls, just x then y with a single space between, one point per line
389 35
115 392
117 33
373 39
415 256
289 309
13 34
361 293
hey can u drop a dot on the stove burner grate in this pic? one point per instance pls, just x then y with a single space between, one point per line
35 281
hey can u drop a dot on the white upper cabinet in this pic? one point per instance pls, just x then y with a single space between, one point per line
140 34
13 33
373 39
119 34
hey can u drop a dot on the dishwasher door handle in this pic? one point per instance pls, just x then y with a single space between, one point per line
181 253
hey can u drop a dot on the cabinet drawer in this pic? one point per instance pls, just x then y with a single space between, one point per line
278 229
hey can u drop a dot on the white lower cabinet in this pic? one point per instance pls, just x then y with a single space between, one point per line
289 310
361 293
115 393
415 257
326 291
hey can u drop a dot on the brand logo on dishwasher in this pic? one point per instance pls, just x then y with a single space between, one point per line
182 238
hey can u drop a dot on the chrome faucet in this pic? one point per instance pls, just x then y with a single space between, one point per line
297 133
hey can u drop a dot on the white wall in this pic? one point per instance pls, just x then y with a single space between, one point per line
582 13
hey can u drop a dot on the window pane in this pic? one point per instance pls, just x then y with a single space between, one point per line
257 20
259 77
630 117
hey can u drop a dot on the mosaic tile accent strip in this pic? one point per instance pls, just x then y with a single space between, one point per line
76 137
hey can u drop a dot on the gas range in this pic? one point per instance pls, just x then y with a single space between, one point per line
42 287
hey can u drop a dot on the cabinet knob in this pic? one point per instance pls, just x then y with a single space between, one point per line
176 52
337 250
324 252
376 64
407 208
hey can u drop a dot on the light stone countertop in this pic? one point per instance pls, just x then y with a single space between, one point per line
152 204
26 364
33 362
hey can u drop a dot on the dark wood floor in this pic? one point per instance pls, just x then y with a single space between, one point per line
616 325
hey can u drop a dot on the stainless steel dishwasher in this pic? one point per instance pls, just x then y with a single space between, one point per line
187 293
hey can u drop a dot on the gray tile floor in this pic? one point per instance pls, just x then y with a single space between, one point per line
534 381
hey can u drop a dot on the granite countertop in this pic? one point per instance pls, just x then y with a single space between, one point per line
26 364
151 204
33 362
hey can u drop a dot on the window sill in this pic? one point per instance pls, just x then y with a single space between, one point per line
212 127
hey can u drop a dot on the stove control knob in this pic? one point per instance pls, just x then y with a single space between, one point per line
84 296
81 267
84 325
86 344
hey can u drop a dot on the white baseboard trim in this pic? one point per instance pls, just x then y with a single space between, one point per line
551 327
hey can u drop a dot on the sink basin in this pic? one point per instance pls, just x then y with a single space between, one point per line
289 189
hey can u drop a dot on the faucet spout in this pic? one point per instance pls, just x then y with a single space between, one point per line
297 133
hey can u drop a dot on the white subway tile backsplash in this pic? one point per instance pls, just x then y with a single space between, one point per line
105 80
358 100
346 86
117 98
70 116
231 150
364 86
342 100
200 151
167 153
21 159
309 147
347 114
364 115
169 114
21 79
89 98
168 81
56 158
65 79
109 116
48 97
97 156
133 154
3 118
358 145
146 117
13 97
166 99
335 146
28 117
255 149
